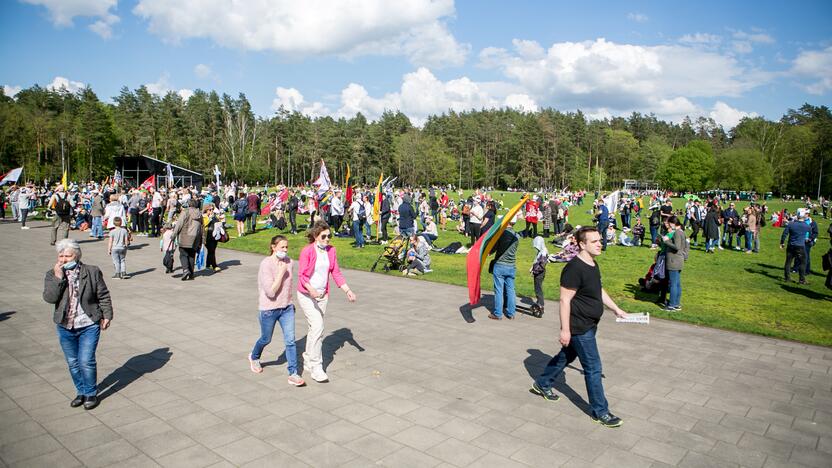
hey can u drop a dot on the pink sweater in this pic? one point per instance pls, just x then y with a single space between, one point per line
265 279
306 267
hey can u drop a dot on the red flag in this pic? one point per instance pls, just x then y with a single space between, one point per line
780 221
349 195
150 182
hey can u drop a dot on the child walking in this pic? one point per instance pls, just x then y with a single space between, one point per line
167 246
119 239
274 286
538 271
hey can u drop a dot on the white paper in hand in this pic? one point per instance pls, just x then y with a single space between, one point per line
635 318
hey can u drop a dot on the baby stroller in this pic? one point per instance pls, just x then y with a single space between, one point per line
393 254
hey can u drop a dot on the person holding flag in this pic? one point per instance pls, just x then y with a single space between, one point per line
377 207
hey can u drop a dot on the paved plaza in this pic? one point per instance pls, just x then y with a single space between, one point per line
412 382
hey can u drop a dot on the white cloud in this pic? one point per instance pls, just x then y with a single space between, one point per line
620 77
62 83
297 28
743 42
63 12
816 65
637 17
520 102
11 91
703 39
203 71
292 100
728 116
163 86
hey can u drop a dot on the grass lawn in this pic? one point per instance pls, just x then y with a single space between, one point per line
730 290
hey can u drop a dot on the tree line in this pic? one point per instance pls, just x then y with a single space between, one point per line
46 130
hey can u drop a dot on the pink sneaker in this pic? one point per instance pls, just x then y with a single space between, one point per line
296 380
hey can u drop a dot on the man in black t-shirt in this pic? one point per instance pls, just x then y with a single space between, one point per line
582 301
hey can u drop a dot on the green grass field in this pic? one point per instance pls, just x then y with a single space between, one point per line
730 290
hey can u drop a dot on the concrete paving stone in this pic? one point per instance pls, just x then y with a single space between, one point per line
196 456
284 407
139 461
273 459
326 454
811 458
30 402
10 417
356 412
72 423
744 424
28 448
427 417
795 437
373 446
313 418
218 435
698 460
614 457
580 447
674 419
143 429
734 407
741 456
408 457
164 443
419 437
536 455
107 454
500 421
767 445
774 462
241 414
825 444
23 430
689 440
492 460
27 390
245 450
464 430
796 411
122 416
718 432
152 398
659 451
194 422
688 396
81 439
623 440
60 458
812 427
386 424
341 432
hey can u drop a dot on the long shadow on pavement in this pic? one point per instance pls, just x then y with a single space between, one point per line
332 343
7 315
536 362
134 368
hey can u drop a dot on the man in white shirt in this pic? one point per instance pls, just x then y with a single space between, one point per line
336 212
476 214
156 203
357 208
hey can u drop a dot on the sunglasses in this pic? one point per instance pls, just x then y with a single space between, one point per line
325 236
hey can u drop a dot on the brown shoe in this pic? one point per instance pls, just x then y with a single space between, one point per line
494 317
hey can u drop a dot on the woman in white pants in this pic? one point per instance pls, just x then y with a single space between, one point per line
317 262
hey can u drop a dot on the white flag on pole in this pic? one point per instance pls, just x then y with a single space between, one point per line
170 175
217 174
611 201
322 183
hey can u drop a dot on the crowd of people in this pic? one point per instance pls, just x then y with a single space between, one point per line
194 222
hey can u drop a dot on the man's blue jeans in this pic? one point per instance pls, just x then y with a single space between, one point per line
602 229
286 317
79 350
585 349
504 286
356 231
674 278
97 227
654 235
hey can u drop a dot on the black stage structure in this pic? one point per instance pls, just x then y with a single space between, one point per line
136 169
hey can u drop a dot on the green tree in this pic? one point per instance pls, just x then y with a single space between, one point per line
688 168
743 169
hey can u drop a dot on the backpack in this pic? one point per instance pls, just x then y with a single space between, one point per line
242 206
362 212
62 206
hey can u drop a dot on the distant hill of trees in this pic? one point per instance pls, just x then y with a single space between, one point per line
496 147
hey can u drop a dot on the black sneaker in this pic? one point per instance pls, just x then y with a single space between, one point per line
609 420
90 402
547 394
77 401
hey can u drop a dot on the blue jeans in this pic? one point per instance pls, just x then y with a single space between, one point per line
504 285
585 349
654 235
79 350
97 227
356 231
407 232
286 317
710 244
674 278
602 229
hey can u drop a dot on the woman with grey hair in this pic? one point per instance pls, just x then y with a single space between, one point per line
82 309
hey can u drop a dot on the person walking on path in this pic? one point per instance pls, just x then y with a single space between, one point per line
798 233
188 234
504 269
676 245
317 261
97 214
538 269
82 309
119 240
582 301
274 298
114 210
63 214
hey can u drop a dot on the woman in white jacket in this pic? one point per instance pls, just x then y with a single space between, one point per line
114 210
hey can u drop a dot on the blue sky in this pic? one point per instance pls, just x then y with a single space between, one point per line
716 59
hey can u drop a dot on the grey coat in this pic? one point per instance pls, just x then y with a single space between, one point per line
188 229
675 250
95 297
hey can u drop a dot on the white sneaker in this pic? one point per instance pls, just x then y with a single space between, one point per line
24 227
720 247
318 375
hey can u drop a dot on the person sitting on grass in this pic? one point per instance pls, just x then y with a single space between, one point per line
430 233
570 250
418 257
